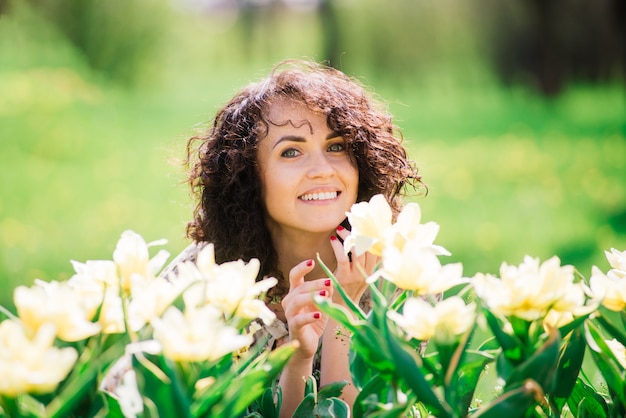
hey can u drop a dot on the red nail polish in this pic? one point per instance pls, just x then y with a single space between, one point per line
309 263
333 238
340 228
316 315
322 293
327 282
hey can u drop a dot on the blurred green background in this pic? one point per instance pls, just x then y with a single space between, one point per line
515 113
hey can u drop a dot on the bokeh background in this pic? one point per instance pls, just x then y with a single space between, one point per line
515 112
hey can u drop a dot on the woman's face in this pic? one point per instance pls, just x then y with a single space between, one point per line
308 179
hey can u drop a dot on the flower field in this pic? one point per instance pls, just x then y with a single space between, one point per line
119 339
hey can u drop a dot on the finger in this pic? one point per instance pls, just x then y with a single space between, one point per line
342 232
302 302
304 319
343 261
297 273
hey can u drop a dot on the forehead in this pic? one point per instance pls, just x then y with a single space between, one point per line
284 110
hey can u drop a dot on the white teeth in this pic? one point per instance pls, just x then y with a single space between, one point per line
319 196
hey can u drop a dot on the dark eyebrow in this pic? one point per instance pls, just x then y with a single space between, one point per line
292 138
296 138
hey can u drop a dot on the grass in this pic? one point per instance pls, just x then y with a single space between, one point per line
508 172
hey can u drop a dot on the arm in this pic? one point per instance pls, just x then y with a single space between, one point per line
306 324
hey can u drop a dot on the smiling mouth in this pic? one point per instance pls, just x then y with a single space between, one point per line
319 196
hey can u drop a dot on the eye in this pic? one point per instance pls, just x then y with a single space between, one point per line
337 147
289 153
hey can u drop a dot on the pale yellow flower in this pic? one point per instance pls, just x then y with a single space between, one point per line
153 299
232 288
112 313
197 335
418 268
531 290
56 303
408 227
91 280
132 259
443 323
618 350
617 260
31 365
368 221
611 287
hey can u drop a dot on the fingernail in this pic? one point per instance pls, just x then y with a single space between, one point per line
327 282
333 238
340 228
309 263
317 315
322 293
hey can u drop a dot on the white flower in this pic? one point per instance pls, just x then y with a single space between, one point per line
444 322
112 314
611 287
531 290
132 258
56 303
232 288
197 335
153 299
617 260
417 268
618 350
31 365
92 279
409 228
368 222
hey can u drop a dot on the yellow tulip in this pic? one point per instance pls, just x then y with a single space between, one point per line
417 268
56 303
31 365
198 334
531 290
611 287
444 322
369 222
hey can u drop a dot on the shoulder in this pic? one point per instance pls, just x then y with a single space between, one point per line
189 254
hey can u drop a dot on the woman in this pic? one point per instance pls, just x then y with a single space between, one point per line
275 174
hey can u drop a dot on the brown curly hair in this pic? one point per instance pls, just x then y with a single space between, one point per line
222 162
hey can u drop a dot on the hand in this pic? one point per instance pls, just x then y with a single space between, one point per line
350 270
306 323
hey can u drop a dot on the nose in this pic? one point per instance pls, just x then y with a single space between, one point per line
320 166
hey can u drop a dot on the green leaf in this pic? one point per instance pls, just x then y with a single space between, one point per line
113 406
306 407
376 389
616 331
467 376
541 366
570 362
510 344
406 367
332 407
609 367
348 301
80 387
255 381
340 314
166 392
331 390
514 403
585 401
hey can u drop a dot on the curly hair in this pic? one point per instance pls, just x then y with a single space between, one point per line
222 162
